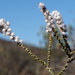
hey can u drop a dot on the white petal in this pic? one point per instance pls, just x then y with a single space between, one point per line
45 14
16 40
9 30
41 5
63 33
47 11
53 25
20 41
3 30
58 17
7 33
6 27
48 24
12 34
49 17
11 37
52 21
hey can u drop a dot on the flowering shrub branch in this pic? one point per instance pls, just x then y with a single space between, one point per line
53 20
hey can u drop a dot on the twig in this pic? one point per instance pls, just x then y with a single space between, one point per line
67 64
49 50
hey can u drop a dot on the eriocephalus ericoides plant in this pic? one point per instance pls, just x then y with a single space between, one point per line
53 20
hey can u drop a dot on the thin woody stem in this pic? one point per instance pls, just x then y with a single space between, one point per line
36 58
66 65
63 46
49 50
67 45
50 71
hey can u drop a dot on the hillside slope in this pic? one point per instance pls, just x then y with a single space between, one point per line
15 61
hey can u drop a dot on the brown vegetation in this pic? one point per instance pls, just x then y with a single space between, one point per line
15 61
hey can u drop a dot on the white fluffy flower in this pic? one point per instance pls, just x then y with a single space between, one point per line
58 17
7 33
16 40
9 29
53 25
63 33
12 34
47 12
3 30
2 22
41 5
11 37
49 17
6 27
20 41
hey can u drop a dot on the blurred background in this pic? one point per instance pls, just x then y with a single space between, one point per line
28 23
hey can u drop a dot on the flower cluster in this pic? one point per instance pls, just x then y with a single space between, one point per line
59 20
7 31
48 18
53 18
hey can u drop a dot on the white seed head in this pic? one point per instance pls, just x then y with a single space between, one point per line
54 12
11 37
41 5
6 27
58 22
48 24
47 12
16 40
20 41
62 24
48 29
2 22
55 15
49 17
52 20
7 33
58 17
3 30
12 34
9 30
53 25
63 33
